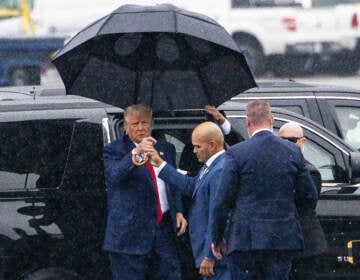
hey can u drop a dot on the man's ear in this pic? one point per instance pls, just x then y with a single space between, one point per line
247 122
272 120
212 144
126 127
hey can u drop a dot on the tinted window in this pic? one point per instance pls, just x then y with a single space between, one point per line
84 167
33 154
349 118
319 157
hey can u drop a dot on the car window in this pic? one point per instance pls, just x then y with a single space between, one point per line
349 118
319 157
84 166
33 153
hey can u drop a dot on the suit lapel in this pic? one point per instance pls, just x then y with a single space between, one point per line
201 181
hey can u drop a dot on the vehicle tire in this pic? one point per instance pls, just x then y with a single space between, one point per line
253 54
51 273
25 76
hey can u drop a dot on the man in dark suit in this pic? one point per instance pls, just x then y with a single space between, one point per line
304 265
143 212
208 142
259 182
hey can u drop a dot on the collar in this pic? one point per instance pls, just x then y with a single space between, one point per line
262 129
213 157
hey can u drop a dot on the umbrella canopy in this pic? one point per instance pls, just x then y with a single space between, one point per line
161 55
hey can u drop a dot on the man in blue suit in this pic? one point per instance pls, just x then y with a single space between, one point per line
260 179
208 142
143 212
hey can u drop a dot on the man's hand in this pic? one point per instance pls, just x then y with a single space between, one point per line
207 268
181 224
155 158
146 145
219 250
211 110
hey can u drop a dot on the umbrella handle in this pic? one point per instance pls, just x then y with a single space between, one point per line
140 159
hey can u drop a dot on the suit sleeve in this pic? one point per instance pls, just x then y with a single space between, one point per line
184 184
117 165
176 193
224 198
212 189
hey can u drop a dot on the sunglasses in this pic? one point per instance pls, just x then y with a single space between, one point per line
292 139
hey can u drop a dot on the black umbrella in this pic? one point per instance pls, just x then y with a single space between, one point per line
160 55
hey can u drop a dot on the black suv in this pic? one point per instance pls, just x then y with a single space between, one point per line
334 107
53 197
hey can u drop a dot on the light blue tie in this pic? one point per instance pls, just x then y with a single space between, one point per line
202 171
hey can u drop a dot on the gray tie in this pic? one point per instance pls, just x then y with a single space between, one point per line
202 171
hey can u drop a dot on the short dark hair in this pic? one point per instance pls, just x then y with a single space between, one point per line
258 112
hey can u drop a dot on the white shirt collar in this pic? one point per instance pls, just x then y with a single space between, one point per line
259 130
213 157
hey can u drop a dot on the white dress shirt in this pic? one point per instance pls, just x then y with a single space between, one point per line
164 203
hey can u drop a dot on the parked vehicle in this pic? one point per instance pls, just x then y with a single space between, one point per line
334 107
22 58
279 35
344 8
285 37
52 192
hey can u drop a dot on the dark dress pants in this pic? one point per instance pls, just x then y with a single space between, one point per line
162 263
260 265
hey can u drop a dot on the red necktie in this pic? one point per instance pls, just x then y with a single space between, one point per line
159 212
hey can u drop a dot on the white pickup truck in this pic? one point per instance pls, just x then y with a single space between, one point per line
282 34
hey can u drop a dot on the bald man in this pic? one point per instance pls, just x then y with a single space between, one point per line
208 141
304 266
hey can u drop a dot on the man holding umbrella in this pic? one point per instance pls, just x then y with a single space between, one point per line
143 212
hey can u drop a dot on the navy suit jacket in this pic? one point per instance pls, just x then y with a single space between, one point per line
202 191
132 202
260 179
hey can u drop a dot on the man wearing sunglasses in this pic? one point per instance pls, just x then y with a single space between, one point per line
304 266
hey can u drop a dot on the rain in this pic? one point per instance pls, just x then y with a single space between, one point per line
69 68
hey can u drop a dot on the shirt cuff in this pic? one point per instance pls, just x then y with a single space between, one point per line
226 127
161 166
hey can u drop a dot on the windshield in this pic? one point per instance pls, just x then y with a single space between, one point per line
350 125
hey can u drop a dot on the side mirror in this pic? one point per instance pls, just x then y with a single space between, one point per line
354 172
